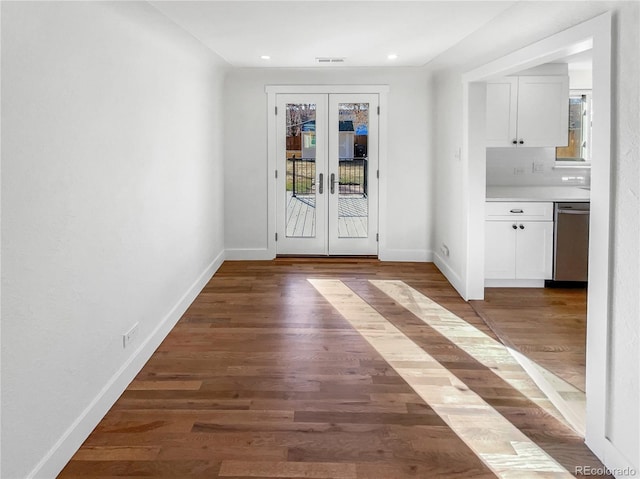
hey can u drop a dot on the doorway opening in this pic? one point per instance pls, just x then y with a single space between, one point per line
592 35
327 174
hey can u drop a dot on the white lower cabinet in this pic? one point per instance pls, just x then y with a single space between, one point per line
534 250
500 252
519 245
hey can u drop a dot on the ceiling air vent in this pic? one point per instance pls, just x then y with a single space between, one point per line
326 60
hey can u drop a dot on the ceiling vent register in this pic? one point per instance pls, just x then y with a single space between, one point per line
329 60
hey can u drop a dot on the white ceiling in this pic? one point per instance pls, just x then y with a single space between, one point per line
294 33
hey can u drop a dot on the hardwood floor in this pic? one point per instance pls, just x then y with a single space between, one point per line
548 325
264 377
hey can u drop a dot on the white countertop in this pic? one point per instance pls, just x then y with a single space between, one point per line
538 193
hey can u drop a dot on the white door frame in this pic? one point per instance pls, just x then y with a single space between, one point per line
272 91
592 35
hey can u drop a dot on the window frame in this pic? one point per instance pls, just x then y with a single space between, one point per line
586 161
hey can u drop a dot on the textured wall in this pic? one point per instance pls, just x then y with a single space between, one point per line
624 397
111 198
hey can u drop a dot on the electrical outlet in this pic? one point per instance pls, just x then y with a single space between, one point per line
538 167
130 335
518 171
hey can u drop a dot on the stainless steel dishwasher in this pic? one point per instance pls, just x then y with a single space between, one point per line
571 242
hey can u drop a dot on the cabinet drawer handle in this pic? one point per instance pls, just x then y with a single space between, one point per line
517 210
573 212
521 141
514 226
521 227
515 142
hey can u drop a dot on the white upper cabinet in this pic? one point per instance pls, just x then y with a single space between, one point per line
502 111
528 111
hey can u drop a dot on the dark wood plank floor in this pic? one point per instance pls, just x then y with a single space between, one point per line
548 325
263 378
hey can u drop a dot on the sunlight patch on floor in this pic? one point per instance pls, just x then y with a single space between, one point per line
483 348
497 442
569 400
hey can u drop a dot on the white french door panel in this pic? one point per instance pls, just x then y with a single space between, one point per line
301 207
327 163
353 185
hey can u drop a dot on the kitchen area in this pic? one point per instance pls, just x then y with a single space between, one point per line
538 177
537 236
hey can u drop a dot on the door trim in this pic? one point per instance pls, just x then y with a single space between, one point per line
272 91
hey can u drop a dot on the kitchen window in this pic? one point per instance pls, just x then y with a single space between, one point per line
578 151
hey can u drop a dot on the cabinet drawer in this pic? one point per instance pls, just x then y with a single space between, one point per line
509 210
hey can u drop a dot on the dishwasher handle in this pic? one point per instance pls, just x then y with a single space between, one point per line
573 212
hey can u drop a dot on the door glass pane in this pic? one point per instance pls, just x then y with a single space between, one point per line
353 201
301 170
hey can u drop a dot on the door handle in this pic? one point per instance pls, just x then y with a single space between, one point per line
333 183
321 183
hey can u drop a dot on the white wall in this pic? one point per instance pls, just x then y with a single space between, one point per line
449 218
410 178
624 395
580 80
112 209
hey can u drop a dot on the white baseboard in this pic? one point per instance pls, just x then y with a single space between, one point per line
58 456
264 254
413 255
567 399
617 464
450 274
248 254
514 283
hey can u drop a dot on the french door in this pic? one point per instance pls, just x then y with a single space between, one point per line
327 163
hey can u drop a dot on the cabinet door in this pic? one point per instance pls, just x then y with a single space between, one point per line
502 107
543 111
534 250
500 250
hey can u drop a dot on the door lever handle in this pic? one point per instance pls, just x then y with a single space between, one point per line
333 183
321 183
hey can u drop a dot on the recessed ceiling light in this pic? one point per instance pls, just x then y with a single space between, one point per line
265 57
392 56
